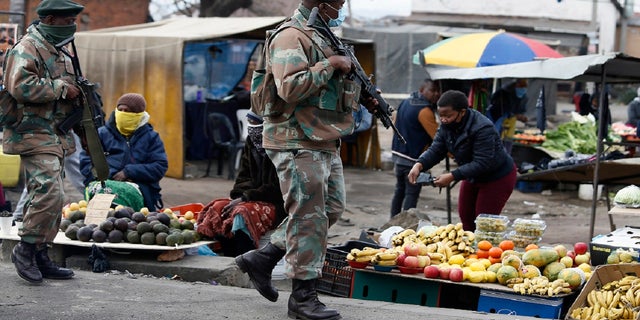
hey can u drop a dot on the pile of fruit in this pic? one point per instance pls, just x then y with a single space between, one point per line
619 299
123 224
529 137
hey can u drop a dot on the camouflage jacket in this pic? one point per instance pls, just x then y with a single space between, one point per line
319 100
36 76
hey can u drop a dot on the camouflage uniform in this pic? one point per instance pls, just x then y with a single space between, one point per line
37 76
302 141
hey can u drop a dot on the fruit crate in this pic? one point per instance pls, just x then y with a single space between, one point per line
396 288
337 275
193 207
519 305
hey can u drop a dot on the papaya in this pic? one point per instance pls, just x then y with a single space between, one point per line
552 269
573 276
530 271
512 260
505 273
540 257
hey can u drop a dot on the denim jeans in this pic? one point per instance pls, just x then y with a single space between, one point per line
406 194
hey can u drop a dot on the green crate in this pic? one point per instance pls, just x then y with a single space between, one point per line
393 287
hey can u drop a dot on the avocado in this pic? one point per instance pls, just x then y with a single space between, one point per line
122 213
72 232
132 225
138 217
173 239
121 224
188 225
64 224
143 227
164 218
99 236
161 238
84 234
187 236
174 224
159 227
133 237
148 238
106 226
115 236
76 215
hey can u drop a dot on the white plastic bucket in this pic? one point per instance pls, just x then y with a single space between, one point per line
585 192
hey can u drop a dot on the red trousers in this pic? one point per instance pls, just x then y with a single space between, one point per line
484 197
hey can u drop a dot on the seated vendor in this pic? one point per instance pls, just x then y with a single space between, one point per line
135 154
255 205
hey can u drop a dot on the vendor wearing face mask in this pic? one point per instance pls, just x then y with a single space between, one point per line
135 152
509 104
487 173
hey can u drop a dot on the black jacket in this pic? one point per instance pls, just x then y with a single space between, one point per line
476 147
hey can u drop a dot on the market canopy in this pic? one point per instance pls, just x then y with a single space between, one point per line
619 68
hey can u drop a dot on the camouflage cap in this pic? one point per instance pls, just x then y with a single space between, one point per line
58 8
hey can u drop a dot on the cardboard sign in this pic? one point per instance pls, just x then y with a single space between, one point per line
98 208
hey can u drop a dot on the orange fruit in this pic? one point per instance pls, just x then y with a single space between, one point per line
484 245
472 256
495 252
482 254
494 260
506 245
531 246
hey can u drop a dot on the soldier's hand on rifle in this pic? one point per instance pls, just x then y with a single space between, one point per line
120 176
72 91
341 63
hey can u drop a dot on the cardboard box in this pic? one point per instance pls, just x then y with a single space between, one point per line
9 169
601 276
602 245
521 305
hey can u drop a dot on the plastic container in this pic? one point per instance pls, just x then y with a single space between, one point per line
193 207
494 237
522 241
529 227
491 223
337 275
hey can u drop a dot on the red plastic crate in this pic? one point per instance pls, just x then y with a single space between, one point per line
193 207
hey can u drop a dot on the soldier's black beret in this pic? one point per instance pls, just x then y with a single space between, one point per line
58 8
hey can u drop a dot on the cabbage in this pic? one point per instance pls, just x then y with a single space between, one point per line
628 196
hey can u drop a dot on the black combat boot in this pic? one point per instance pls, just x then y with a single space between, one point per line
259 264
304 303
49 269
23 257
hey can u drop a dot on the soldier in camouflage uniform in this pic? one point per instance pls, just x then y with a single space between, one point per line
302 139
38 77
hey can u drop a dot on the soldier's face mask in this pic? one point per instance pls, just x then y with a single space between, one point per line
56 33
127 122
340 19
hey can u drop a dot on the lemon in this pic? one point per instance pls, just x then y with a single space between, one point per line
67 212
83 203
118 207
188 215
490 276
74 206
477 266
486 262
465 273
144 210
168 211
585 267
83 209
476 276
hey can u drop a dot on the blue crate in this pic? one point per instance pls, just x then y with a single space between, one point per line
516 304
529 186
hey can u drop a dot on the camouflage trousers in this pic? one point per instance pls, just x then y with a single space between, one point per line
43 208
312 183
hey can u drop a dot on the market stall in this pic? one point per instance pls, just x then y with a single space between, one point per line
599 68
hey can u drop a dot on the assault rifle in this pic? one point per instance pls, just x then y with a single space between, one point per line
367 89
87 115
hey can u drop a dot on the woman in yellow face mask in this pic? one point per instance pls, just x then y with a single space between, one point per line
135 153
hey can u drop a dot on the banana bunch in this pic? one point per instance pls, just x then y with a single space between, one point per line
405 236
539 285
385 258
365 254
451 236
618 299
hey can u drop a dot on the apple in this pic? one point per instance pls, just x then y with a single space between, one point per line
411 262
456 275
567 261
432 272
561 250
422 249
411 249
581 258
580 248
423 261
571 254
444 272
400 259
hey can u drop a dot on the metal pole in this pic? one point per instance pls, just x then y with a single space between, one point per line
596 172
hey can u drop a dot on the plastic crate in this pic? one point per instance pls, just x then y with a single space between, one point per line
193 207
337 275
391 287
519 305
529 186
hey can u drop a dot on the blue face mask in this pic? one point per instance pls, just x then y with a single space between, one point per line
337 21
520 92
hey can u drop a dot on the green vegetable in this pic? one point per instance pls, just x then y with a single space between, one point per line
628 196
581 138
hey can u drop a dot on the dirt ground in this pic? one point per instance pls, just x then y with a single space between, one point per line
369 194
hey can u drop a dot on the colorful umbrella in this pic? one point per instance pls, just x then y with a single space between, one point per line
484 49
